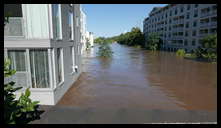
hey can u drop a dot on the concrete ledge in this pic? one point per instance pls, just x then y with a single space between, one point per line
74 115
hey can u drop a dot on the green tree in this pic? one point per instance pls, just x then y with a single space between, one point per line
153 41
133 38
208 48
105 50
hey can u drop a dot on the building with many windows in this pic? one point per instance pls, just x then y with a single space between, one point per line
44 46
83 30
181 25
90 38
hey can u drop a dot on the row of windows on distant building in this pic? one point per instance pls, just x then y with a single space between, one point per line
195 13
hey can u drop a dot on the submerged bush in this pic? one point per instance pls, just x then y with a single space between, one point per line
208 48
105 50
180 52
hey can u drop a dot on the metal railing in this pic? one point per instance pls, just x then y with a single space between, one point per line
14 27
208 24
208 13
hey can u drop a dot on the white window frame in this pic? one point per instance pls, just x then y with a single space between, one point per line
62 67
73 60
26 64
77 21
71 16
60 22
28 69
49 68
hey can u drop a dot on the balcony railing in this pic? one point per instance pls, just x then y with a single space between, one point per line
208 24
205 14
14 27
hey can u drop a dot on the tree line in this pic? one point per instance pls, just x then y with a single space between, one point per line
206 50
132 38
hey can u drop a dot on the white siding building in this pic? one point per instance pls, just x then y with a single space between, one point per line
182 25
90 38
43 43
83 30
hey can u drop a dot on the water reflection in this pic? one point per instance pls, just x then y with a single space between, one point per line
136 78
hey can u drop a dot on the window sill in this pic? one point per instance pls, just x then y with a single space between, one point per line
58 39
71 40
60 84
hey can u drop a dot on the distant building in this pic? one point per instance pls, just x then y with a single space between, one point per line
43 41
182 25
83 30
90 38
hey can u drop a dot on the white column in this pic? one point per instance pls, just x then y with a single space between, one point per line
28 69
50 68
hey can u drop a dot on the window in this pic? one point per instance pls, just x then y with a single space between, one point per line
214 19
194 23
188 15
187 25
213 30
196 5
175 11
194 33
56 12
71 26
193 42
17 58
73 58
171 13
185 42
195 13
59 66
181 9
188 7
39 68
186 33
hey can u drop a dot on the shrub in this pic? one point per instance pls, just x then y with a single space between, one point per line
105 50
153 41
180 52
17 111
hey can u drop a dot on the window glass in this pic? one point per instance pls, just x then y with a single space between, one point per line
70 25
72 57
57 20
39 68
17 58
59 65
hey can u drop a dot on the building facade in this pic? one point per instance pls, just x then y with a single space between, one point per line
83 30
90 38
44 46
181 25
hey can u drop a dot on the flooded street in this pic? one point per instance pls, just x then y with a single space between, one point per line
141 79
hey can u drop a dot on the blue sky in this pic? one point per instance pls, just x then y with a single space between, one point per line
112 19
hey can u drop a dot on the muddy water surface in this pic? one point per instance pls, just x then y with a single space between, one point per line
135 78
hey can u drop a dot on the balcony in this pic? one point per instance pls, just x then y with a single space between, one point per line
208 24
178 22
14 28
206 14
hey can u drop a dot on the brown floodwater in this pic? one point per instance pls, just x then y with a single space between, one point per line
136 78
